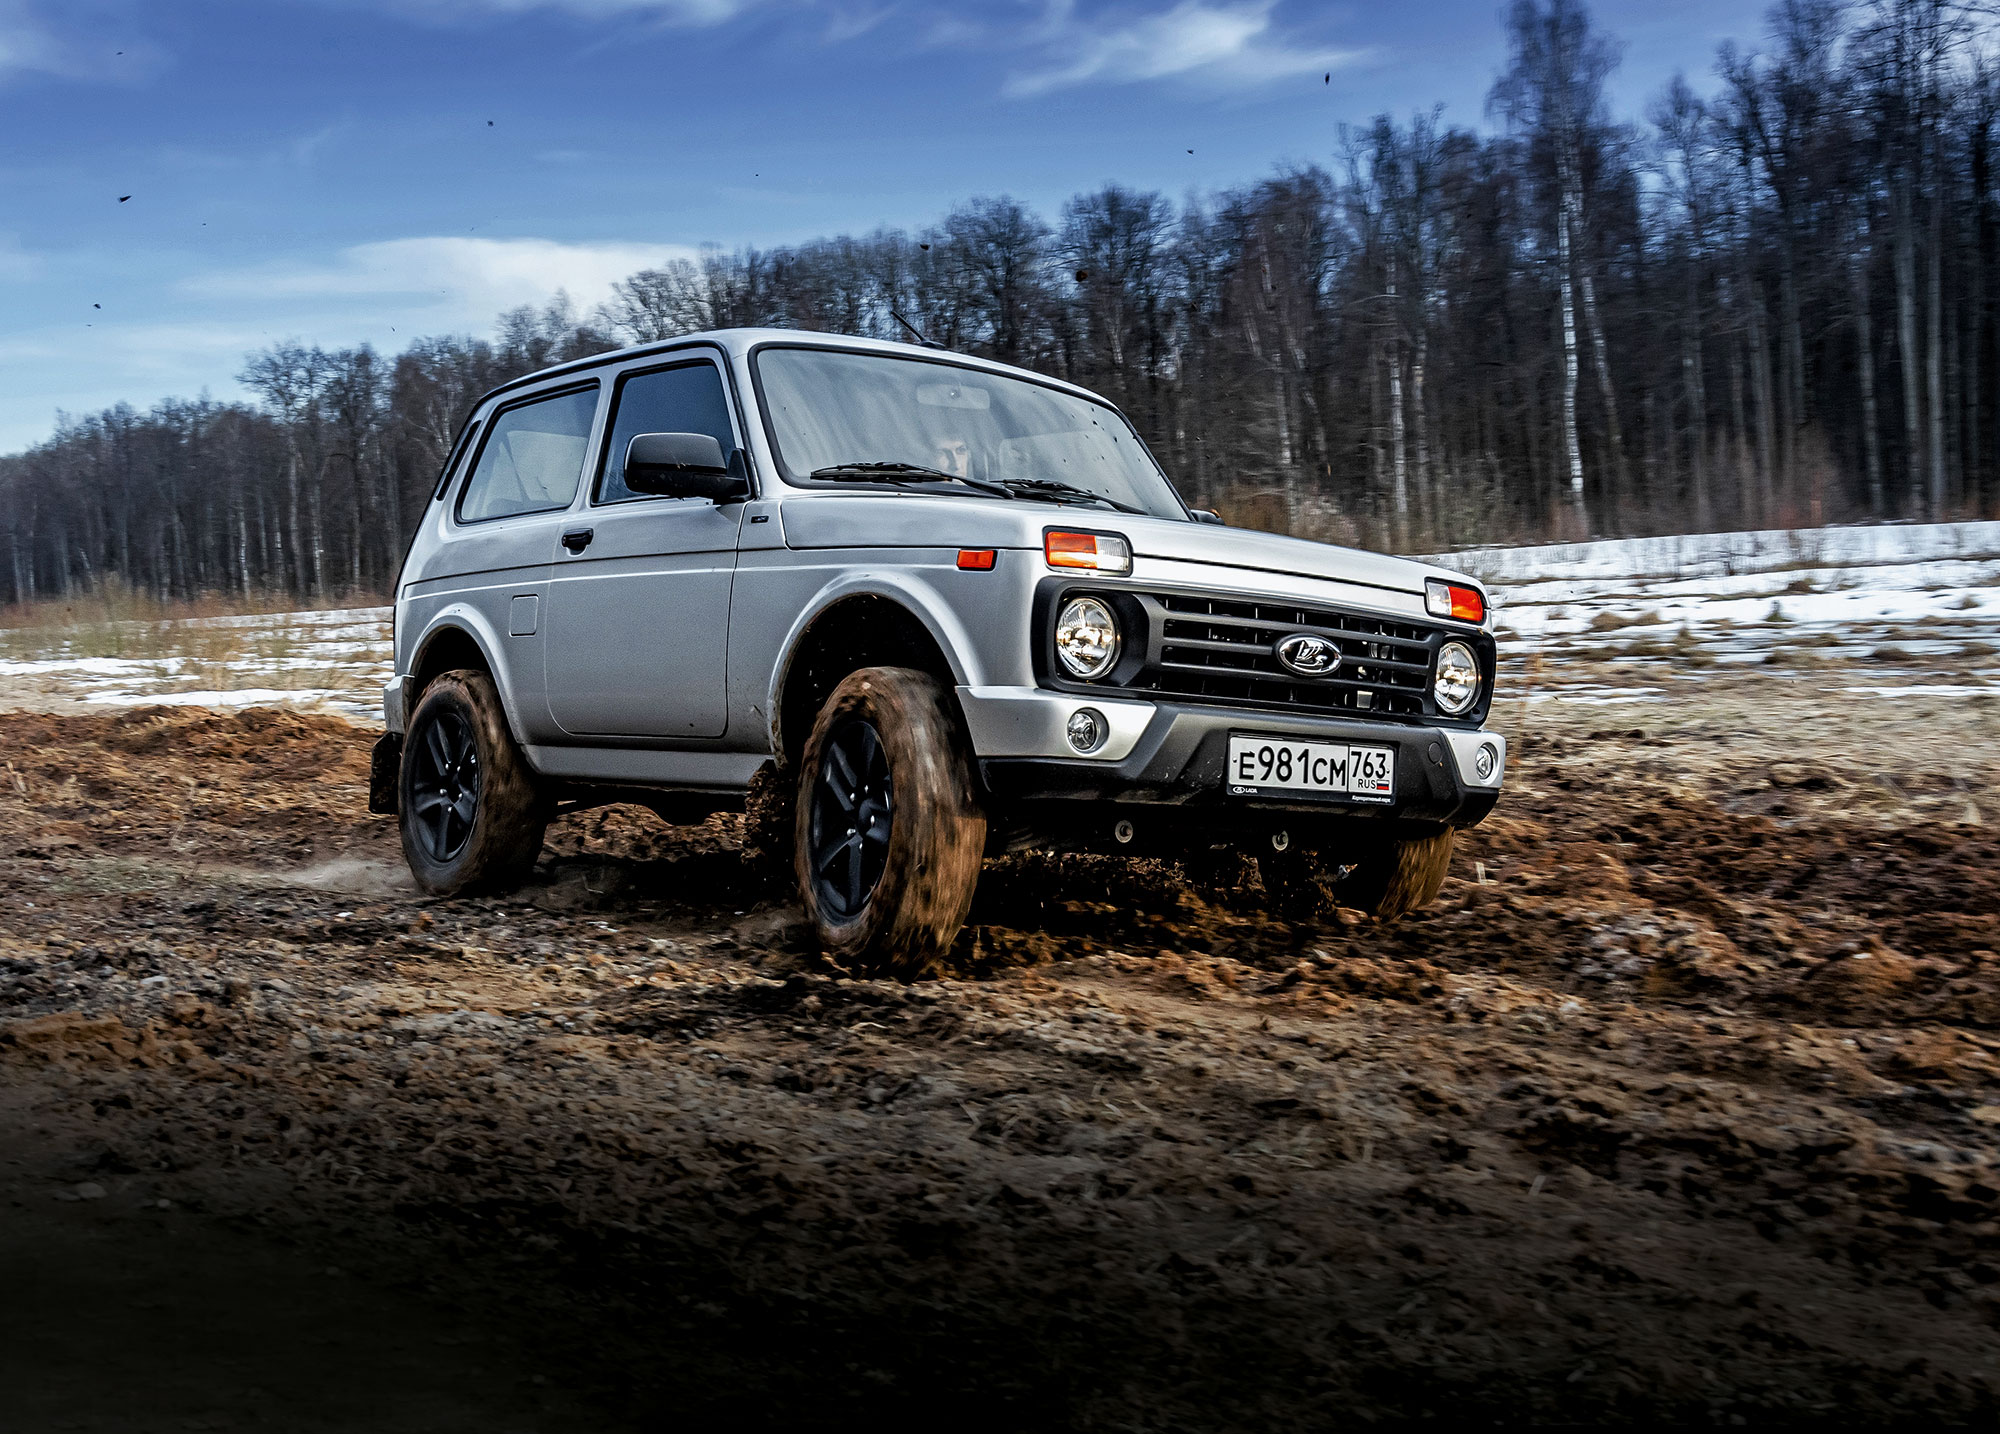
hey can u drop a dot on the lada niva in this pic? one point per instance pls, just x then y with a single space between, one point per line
926 608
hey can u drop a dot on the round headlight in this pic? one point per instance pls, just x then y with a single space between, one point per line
1086 638
1457 684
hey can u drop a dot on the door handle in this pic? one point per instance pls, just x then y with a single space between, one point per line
577 539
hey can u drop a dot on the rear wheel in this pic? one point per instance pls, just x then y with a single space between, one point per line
889 833
472 817
1387 881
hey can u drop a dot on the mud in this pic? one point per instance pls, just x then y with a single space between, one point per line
1682 1102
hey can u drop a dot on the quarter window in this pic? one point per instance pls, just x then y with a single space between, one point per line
532 459
455 464
686 399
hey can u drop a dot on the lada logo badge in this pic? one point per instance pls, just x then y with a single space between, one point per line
1308 656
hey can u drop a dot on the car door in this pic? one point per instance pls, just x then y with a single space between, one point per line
638 627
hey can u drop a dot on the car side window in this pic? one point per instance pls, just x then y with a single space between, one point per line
532 459
455 464
688 398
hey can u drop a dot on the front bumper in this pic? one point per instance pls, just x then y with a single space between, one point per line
1174 755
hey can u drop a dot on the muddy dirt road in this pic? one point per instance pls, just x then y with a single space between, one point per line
1684 1101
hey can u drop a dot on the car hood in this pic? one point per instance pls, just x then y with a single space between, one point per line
902 520
1268 553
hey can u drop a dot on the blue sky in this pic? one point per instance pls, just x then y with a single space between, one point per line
341 171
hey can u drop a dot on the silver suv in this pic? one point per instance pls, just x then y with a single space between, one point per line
912 609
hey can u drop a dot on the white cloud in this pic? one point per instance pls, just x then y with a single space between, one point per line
455 280
26 44
1229 45
79 369
851 24
385 294
17 263
685 12
74 42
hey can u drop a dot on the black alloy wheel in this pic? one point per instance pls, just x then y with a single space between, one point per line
444 788
852 807
886 876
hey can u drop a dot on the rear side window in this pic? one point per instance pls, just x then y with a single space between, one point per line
685 399
532 458
451 464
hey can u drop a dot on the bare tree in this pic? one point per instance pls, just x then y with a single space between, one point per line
1387 351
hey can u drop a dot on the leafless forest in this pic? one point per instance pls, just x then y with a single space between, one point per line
1771 299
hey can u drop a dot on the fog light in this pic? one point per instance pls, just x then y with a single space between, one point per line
1482 762
1087 729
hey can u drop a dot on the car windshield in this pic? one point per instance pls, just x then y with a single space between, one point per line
832 410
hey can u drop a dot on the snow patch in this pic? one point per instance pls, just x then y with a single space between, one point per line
1726 554
231 697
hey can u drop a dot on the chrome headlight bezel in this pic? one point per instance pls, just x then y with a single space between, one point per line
1086 639
1456 680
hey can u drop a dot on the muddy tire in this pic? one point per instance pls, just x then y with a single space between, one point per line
1386 882
889 831
472 815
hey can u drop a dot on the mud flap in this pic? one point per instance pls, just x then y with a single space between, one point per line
385 767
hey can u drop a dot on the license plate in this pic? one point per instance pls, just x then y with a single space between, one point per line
1327 769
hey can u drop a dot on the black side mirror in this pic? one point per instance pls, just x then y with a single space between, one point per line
680 465
1203 515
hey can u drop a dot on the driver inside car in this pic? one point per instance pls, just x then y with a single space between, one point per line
954 456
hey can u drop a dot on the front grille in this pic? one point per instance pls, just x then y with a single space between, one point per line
1223 650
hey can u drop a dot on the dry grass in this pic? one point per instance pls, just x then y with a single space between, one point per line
1613 621
116 620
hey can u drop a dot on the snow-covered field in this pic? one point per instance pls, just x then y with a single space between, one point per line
334 660
1691 555
1896 609
1874 612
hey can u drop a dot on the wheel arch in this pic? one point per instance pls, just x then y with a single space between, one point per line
457 638
846 631
447 646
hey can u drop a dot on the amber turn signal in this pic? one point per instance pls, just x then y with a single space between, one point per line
976 560
1091 552
1454 600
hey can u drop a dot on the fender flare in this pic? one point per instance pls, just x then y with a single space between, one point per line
466 620
906 590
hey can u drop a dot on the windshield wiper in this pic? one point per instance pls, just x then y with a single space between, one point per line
1055 492
903 473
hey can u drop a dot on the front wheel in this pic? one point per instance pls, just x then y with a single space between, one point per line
1386 881
890 832
472 817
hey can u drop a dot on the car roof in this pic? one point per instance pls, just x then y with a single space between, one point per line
739 342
